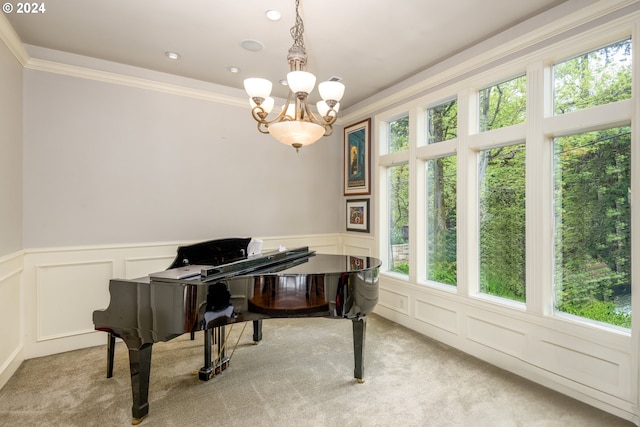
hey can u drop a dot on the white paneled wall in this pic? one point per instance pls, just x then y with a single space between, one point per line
11 315
63 286
591 365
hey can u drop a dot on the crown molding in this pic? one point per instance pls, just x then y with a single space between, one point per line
15 45
124 80
10 38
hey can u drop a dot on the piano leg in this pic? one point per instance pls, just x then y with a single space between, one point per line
206 371
257 331
111 347
359 331
140 366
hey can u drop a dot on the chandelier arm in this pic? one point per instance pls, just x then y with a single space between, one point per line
323 121
328 130
262 128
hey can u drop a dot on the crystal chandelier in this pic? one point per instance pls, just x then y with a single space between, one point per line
296 125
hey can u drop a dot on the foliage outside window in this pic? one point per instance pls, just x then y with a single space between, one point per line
441 220
594 78
503 104
442 122
593 220
502 222
399 218
399 135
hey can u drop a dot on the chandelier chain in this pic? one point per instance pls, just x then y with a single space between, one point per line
298 29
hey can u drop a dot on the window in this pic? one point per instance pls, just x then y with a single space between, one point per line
502 221
503 104
594 78
399 218
441 220
399 135
592 225
398 198
466 167
443 122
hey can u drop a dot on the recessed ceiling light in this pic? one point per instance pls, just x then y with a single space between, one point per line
284 82
252 45
172 55
273 15
233 69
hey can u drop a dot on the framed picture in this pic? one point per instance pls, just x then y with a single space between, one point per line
358 215
357 158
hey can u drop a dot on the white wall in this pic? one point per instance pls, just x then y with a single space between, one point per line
106 163
10 152
11 259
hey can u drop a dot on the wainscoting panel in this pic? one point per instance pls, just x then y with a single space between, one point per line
587 363
436 315
395 301
357 245
321 243
11 315
502 337
140 267
59 288
64 286
594 365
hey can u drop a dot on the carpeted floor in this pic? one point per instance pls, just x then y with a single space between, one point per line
301 374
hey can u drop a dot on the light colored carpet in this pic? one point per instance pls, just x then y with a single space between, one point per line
301 374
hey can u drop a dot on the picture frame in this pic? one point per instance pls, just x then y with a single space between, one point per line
358 215
357 158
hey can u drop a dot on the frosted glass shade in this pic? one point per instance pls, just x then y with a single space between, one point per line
267 104
323 108
331 91
257 88
296 133
301 81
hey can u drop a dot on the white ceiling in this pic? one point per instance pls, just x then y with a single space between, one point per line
370 44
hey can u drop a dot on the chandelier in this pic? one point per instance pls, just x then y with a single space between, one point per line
296 124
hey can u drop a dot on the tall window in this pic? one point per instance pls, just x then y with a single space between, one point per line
592 221
502 222
592 187
399 218
398 190
441 220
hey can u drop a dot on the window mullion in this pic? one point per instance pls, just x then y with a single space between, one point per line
467 165
539 194
416 228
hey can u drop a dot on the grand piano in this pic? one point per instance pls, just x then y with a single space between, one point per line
189 297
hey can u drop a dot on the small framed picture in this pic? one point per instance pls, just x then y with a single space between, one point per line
358 215
357 158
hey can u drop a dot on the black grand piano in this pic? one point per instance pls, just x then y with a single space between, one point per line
215 283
